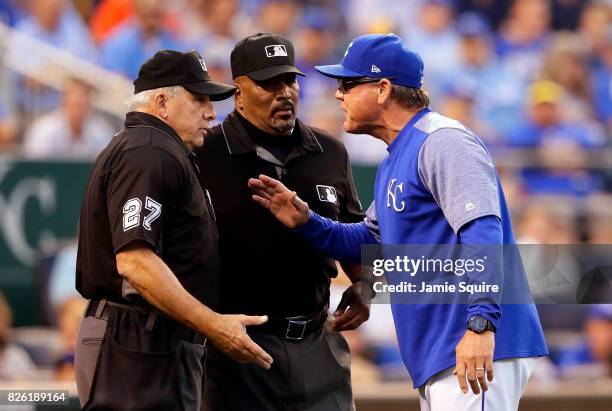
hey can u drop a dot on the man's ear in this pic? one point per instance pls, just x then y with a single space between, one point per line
238 102
161 105
384 91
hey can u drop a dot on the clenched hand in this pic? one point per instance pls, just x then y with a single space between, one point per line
354 307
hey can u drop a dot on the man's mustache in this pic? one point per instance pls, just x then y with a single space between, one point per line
284 106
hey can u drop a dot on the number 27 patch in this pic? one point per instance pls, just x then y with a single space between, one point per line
132 209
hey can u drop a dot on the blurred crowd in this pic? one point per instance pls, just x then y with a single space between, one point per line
533 78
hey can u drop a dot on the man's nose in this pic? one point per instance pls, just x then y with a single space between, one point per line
284 90
209 112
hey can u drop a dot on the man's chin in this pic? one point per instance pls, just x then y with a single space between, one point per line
350 128
198 142
284 127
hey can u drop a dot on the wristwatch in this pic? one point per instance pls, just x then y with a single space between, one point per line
480 324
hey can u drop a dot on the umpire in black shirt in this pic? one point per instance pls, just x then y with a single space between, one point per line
148 252
265 268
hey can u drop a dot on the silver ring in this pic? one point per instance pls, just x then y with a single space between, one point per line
480 369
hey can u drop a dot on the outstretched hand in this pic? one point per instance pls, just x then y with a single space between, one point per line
284 204
229 335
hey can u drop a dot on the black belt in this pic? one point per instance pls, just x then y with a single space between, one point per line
293 328
104 309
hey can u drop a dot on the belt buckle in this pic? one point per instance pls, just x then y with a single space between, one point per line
295 333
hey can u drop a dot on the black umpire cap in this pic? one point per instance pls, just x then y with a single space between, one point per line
263 56
172 68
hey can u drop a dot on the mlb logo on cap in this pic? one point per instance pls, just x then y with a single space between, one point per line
276 50
379 56
263 56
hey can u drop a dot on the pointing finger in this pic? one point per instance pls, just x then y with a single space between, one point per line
254 319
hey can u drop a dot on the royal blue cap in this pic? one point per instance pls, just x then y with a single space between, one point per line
379 56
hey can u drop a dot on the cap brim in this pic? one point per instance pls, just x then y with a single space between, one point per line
216 91
273 71
338 71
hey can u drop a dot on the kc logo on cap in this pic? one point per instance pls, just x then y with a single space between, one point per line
276 50
203 65
348 48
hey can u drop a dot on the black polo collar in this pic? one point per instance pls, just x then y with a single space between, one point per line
238 140
140 119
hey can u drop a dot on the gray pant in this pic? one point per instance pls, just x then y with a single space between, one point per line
308 375
120 365
88 346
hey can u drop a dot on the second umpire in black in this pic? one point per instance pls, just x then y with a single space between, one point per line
148 253
265 268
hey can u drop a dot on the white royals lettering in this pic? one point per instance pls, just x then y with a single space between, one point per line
392 189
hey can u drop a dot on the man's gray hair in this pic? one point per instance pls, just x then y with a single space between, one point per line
412 98
143 99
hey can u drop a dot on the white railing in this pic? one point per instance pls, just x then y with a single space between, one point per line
51 66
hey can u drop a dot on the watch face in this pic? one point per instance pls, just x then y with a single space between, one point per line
478 324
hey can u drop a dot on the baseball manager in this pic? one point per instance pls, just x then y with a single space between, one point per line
438 185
